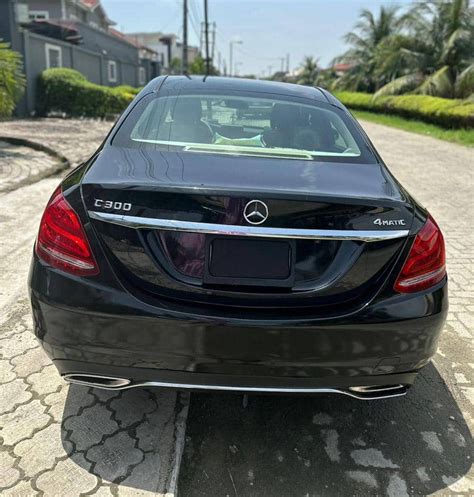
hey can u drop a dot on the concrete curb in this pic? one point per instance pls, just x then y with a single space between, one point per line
61 162
23 142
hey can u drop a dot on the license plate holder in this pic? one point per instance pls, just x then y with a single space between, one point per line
249 262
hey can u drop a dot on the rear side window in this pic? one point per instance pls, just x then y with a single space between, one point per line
264 126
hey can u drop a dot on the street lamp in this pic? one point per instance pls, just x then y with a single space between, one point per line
231 50
237 65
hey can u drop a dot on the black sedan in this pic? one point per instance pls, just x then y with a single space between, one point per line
238 235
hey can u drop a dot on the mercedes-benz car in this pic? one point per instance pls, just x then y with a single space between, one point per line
241 235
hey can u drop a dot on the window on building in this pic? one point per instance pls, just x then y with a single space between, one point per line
141 76
38 15
54 56
112 68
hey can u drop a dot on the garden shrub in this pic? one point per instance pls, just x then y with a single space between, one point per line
446 112
12 79
68 91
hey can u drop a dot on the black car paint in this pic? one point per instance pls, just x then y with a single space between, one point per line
116 324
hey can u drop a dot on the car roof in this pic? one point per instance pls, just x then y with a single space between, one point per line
178 83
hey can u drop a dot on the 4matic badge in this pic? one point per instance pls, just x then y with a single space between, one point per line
390 222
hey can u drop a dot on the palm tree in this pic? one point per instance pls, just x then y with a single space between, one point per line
369 32
435 54
309 71
12 80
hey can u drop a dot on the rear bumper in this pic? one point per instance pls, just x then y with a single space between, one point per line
88 328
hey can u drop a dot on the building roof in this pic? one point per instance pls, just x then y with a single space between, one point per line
342 67
131 40
92 4
55 28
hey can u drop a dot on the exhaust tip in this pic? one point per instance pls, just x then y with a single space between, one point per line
106 382
378 391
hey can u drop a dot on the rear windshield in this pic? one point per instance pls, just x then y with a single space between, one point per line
248 125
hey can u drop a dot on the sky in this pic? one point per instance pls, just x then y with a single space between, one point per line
268 29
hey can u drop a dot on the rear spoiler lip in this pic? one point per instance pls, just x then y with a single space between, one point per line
136 222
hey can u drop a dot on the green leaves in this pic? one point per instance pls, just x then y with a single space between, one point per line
12 79
449 113
68 92
464 87
435 39
438 84
309 72
401 85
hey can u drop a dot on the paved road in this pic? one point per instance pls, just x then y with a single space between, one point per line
61 440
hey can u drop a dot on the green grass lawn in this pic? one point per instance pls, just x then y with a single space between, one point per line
461 136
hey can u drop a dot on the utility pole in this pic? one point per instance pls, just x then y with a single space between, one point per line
212 41
206 34
287 62
231 49
184 63
282 60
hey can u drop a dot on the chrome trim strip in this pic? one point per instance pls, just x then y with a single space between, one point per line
189 386
255 231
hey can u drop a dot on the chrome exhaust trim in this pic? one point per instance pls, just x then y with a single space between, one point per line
379 391
375 388
360 393
96 381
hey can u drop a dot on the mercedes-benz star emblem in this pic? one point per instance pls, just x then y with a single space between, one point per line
256 212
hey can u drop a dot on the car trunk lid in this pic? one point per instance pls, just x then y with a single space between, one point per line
174 226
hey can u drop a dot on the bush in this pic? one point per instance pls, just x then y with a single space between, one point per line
69 92
449 113
127 89
12 79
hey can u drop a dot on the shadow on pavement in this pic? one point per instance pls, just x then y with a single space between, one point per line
123 437
327 445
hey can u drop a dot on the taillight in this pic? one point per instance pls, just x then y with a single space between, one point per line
62 242
426 263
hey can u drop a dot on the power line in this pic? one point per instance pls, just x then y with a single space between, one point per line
193 25
195 12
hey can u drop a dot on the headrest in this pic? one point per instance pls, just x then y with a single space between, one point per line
187 110
319 121
284 116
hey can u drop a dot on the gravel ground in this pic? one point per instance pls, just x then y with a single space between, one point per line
61 440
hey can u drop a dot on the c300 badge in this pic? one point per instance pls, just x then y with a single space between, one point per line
109 204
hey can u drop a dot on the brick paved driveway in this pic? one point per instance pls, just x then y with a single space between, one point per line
61 440
76 139
21 165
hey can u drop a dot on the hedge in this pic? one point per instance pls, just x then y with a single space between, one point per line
448 113
67 91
